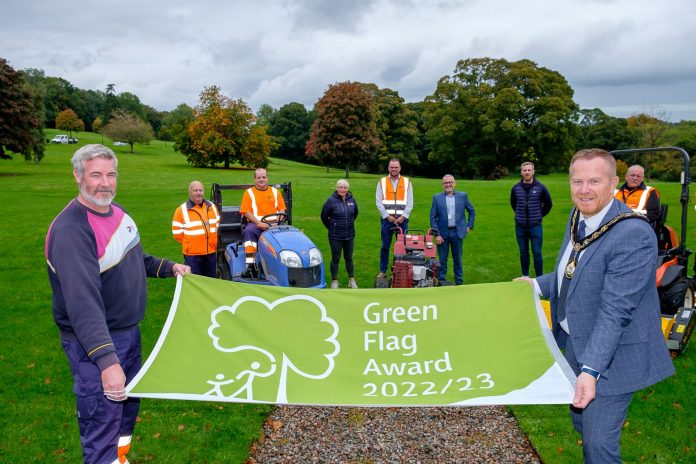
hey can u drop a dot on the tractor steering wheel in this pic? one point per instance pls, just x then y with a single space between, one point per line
275 219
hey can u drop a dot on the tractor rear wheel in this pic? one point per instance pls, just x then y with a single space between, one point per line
678 294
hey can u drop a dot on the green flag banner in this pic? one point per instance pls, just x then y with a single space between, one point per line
461 345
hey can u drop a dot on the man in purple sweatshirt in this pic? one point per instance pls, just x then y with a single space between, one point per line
97 270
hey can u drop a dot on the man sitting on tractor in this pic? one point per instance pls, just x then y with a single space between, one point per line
639 197
257 202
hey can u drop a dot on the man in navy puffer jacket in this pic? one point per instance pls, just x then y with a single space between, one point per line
531 201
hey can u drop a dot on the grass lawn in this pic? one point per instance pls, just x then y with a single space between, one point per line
37 423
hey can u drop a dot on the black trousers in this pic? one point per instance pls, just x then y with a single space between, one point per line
338 246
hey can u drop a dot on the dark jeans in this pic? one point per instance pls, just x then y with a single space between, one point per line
451 240
204 265
338 246
103 421
388 231
535 236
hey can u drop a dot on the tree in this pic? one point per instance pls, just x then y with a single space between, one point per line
154 118
109 101
21 129
130 103
67 120
175 127
223 131
344 131
53 94
290 129
397 126
651 128
97 124
492 113
599 130
128 128
265 115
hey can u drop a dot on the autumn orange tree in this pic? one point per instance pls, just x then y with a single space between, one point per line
224 131
344 132
68 120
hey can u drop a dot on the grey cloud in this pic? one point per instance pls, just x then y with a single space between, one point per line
343 16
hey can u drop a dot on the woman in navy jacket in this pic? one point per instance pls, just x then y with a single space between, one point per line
338 215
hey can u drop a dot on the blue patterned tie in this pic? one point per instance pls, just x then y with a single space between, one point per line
565 283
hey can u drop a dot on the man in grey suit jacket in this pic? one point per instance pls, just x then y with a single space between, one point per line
448 216
609 320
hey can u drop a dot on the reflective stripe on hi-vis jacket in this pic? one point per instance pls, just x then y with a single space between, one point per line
262 207
394 201
196 228
630 200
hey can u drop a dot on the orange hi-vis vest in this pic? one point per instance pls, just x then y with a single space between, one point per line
394 201
262 202
259 203
636 199
195 227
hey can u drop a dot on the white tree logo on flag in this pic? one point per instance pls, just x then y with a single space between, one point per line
231 333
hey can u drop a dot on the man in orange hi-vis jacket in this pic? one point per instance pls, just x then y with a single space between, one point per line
257 202
195 225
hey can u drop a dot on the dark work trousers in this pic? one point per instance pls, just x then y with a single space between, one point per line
346 246
388 231
535 236
204 265
103 421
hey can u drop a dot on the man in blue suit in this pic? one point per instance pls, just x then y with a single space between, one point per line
604 305
448 216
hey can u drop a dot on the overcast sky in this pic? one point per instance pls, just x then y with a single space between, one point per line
623 56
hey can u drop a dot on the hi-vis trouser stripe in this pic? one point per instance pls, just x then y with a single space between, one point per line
123 448
250 251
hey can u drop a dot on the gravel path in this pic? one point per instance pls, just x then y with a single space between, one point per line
302 434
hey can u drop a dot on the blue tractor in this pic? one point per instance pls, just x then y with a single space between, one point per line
285 256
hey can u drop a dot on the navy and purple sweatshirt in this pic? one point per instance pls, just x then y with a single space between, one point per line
97 271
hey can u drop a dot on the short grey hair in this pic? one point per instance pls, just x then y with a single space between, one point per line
342 182
89 152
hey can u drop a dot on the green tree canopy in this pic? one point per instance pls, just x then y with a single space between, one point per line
397 127
265 115
223 131
599 130
492 113
175 127
21 129
129 128
291 126
344 131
